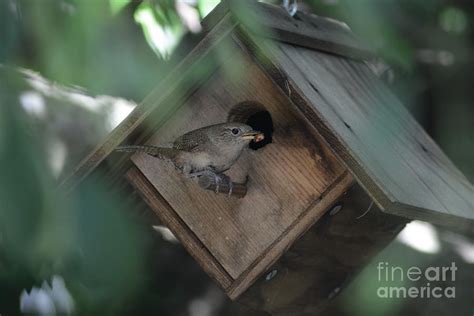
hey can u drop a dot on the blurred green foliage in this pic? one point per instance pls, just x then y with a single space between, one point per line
89 237
79 43
110 47
161 26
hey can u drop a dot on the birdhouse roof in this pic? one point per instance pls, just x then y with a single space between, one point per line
322 69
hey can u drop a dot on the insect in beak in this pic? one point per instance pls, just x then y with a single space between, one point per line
253 135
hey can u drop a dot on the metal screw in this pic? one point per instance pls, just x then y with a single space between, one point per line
271 275
335 209
291 8
334 292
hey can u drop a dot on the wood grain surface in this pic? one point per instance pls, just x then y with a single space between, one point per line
303 29
291 180
392 157
310 275
169 217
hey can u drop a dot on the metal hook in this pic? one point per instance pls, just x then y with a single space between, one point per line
368 209
291 8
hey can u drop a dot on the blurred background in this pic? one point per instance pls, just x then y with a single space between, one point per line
71 70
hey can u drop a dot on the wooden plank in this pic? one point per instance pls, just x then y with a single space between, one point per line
293 232
286 177
392 157
158 105
308 277
214 17
167 215
307 30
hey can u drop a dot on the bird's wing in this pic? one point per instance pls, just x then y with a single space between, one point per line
192 141
158 152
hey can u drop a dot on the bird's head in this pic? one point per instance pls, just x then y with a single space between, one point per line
237 134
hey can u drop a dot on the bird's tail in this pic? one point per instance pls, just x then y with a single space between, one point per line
158 152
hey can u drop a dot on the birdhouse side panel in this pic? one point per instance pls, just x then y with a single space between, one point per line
287 179
388 151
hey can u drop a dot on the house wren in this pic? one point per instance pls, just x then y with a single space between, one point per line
209 150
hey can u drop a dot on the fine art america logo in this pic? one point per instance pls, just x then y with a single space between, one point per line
429 279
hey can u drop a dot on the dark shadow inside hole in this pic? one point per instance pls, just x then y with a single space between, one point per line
261 121
255 115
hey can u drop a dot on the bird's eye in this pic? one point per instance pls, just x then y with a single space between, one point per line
235 131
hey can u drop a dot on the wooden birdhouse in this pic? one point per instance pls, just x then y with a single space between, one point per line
337 145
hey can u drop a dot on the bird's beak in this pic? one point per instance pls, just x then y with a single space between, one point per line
252 135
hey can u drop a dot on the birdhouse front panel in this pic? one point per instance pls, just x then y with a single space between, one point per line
291 181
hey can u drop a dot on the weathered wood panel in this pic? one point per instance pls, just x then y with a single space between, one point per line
189 240
389 153
304 222
307 30
307 278
291 181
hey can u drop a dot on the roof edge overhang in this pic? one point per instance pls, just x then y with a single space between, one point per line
461 218
302 29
